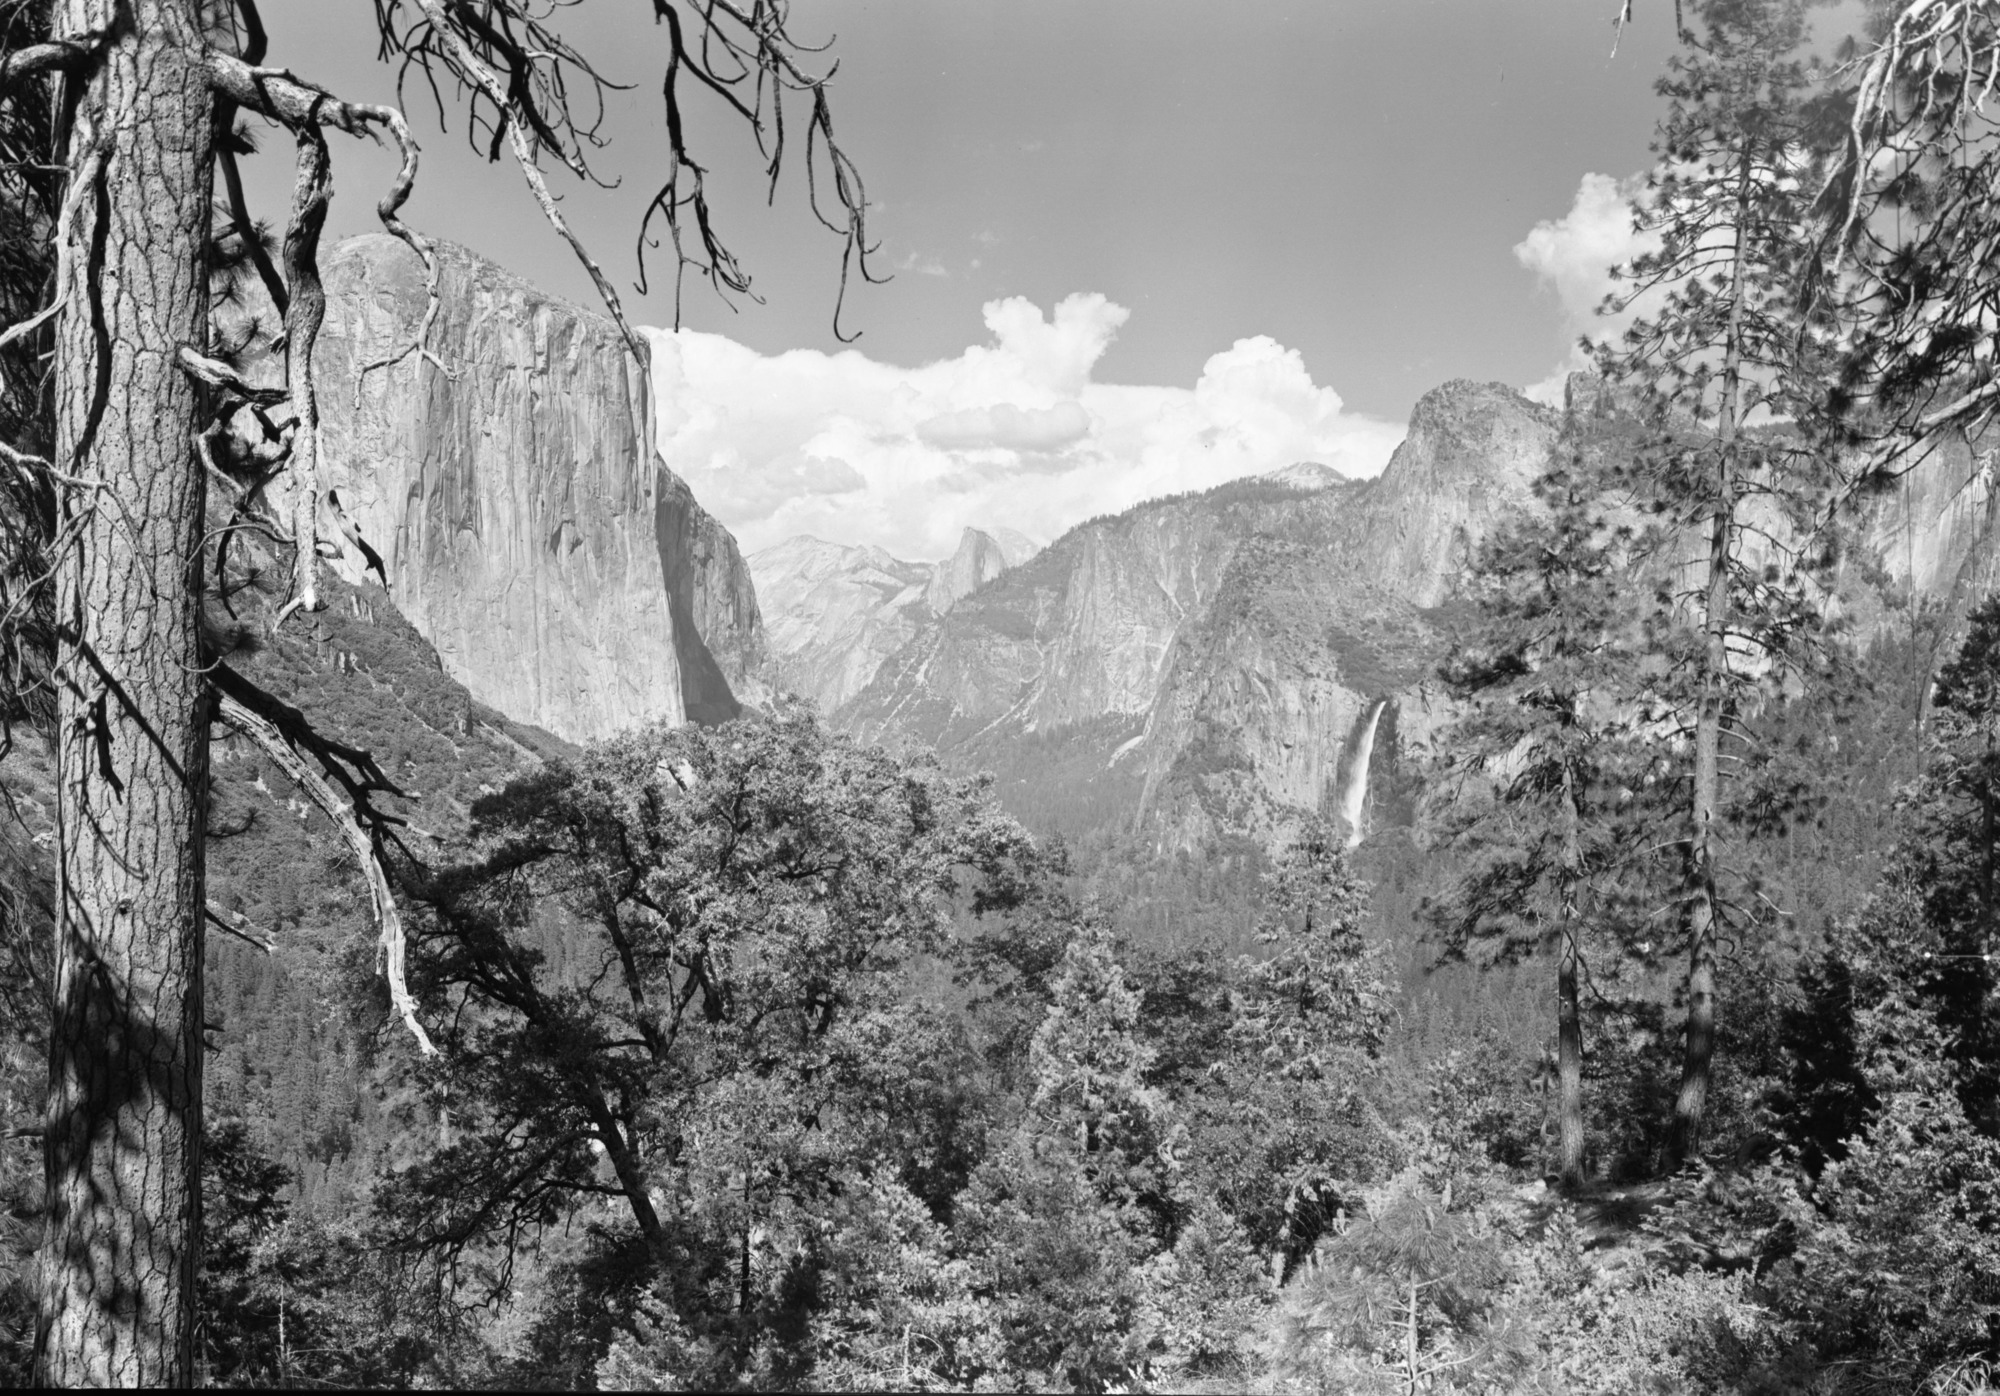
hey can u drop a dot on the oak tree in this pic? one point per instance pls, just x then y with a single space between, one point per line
677 979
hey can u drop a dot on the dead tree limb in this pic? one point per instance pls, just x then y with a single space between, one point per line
364 844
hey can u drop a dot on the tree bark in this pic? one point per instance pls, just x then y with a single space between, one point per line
123 1128
1699 893
1569 1018
1569 1069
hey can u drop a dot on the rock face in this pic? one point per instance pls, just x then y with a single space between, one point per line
1078 632
980 558
1266 700
527 525
1224 649
835 612
1933 529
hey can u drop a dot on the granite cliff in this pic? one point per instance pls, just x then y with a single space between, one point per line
528 528
1324 618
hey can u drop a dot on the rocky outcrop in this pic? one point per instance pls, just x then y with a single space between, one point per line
527 526
835 612
980 558
1306 476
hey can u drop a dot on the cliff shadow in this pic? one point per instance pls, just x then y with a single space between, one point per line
705 692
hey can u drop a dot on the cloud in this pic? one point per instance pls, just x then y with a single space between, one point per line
1573 255
921 265
1007 426
1055 353
1010 433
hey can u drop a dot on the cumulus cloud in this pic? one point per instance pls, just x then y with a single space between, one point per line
1012 433
1573 255
1008 426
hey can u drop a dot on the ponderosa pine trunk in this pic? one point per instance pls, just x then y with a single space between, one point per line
1569 1069
123 1125
1699 892
1569 1016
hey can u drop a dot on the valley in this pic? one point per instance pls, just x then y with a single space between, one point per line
563 829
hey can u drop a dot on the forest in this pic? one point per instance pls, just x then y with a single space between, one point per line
1657 1050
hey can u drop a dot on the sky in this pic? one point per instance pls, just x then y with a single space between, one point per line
1136 246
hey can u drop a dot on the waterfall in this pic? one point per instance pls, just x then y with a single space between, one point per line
1356 794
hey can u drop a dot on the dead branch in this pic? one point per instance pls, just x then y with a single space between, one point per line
519 74
57 55
218 374
215 918
388 210
284 97
294 103
366 846
307 109
529 136
303 318
86 177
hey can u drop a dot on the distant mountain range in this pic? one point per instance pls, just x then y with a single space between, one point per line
1200 667
833 612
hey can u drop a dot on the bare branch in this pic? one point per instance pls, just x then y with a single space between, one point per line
285 98
365 847
528 136
86 177
218 374
278 94
216 919
389 211
310 194
58 55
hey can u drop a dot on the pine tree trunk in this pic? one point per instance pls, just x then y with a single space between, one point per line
123 1128
1569 1070
1699 899
1569 1018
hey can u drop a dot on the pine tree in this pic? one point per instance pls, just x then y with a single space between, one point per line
1724 342
1320 997
1540 769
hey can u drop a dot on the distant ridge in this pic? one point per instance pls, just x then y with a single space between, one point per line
1306 476
833 612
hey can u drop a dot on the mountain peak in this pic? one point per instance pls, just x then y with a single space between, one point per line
1306 476
979 559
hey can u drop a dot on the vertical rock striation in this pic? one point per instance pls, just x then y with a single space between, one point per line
526 524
